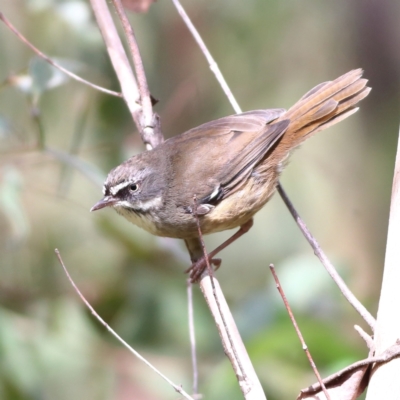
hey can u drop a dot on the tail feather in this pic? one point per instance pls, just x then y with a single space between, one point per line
323 106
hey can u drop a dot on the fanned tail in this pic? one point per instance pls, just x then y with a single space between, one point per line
322 107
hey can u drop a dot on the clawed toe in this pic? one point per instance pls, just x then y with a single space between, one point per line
196 269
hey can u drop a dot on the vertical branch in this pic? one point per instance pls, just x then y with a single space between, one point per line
192 337
358 306
385 380
149 122
232 342
130 89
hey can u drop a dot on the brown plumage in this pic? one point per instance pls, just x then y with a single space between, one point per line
232 164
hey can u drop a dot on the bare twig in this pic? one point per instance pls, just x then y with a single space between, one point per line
213 65
326 263
248 382
52 62
132 350
192 337
149 122
210 273
230 337
367 338
345 375
296 327
118 58
125 75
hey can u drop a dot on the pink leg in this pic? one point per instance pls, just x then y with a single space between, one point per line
199 263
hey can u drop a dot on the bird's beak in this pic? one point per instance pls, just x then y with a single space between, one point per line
107 201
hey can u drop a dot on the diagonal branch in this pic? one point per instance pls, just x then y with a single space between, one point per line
213 65
52 62
130 90
132 350
297 329
347 293
149 121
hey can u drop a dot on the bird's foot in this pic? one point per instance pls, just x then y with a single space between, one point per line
197 268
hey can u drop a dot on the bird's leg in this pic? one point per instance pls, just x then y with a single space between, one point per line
196 252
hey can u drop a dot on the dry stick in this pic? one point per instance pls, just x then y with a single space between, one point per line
122 341
296 327
118 57
192 337
51 62
369 319
212 277
150 123
249 383
369 341
230 337
213 65
324 260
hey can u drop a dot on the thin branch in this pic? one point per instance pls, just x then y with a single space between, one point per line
149 121
213 65
369 341
296 327
358 306
109 329
229 334
118 58
248 382
339 378
53 63
192 337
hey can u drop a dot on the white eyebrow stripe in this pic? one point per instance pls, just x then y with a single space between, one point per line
115 189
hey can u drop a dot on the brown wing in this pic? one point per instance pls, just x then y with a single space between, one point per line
216 158
250 121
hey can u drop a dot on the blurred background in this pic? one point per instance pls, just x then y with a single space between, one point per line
59 139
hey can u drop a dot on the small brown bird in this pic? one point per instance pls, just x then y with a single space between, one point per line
231 165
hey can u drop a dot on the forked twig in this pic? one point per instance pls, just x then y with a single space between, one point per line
296 327
52 62
149 121
347 293
122 341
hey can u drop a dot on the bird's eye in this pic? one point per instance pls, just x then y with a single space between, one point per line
134 187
